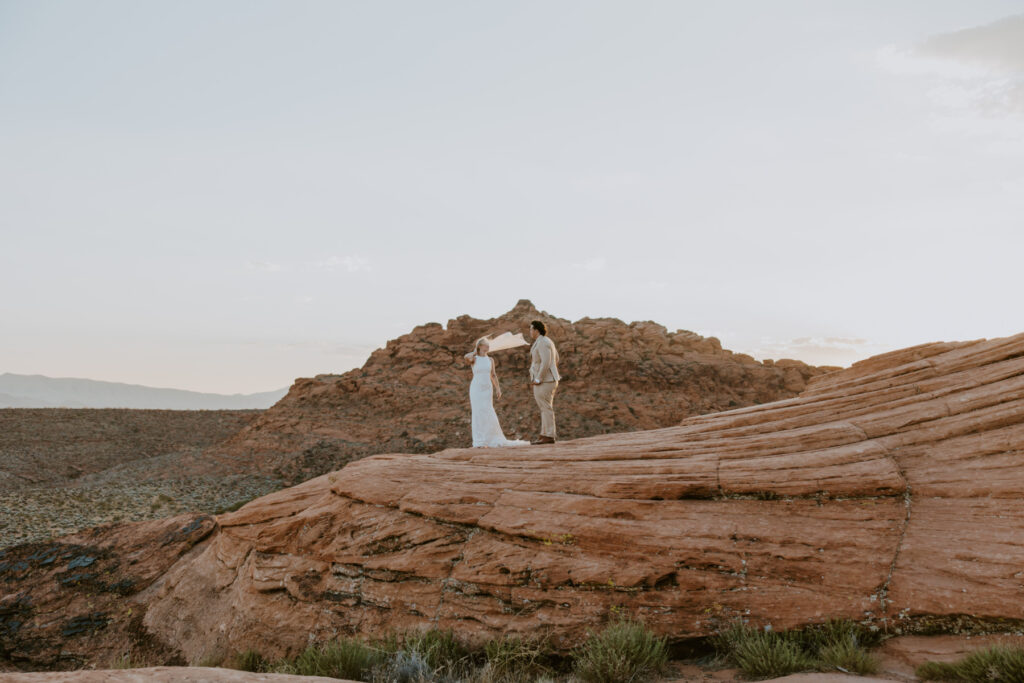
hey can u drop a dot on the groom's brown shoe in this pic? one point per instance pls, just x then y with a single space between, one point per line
543 439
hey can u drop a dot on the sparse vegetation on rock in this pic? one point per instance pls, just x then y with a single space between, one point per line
623 652
995 664
837 645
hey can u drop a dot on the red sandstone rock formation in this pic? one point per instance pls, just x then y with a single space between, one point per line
412 395
890 493
890 490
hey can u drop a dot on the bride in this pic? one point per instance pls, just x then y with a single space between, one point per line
486 429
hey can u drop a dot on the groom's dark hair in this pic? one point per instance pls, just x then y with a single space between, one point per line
539 326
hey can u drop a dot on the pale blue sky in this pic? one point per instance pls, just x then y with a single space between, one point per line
223 196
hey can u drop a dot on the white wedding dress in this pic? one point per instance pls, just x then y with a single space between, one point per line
486 429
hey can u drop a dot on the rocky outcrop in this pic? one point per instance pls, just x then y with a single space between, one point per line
412 395
888 493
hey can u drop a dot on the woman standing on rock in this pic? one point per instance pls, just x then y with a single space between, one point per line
486 428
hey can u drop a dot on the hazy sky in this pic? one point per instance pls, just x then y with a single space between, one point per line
223 196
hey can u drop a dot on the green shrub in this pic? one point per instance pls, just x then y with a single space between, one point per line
833 632
836 644
517 659
343 658
766 654
995 664
623 652
847 655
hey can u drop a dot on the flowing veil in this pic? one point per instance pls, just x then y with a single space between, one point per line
505 340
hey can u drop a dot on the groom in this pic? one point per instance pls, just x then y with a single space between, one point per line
544 379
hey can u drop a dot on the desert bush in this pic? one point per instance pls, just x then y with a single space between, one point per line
847 655
995 664
825 647
342 658
440 649
405 666
517 659
623 652
835 631
766 654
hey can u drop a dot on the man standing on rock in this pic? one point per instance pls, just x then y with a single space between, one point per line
544 379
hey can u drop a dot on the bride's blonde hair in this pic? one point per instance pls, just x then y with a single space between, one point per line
476 347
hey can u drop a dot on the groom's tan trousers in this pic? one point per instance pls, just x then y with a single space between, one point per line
544 394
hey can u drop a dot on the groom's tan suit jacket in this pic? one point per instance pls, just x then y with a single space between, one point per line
544 357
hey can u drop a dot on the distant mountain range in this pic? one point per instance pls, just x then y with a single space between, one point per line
38 391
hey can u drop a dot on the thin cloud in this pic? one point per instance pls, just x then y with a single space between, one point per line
265 266
592 265
818 350
998 45
976 70
351 264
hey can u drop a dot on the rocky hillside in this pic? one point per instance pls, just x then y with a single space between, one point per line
412 395
889 493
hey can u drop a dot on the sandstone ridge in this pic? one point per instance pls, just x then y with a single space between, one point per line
411 396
